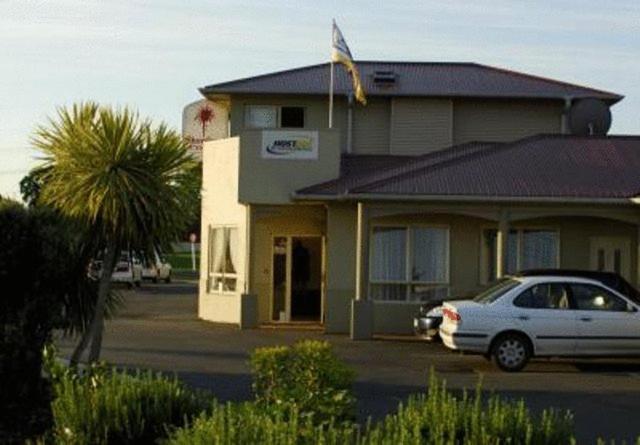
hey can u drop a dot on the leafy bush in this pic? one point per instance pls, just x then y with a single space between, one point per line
435 418
440 417
248 423
307 376
104 406
36 251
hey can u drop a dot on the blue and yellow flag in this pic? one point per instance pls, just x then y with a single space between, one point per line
340 54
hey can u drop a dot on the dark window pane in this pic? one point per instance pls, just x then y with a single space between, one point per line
543 296
389 292
594 298
292 117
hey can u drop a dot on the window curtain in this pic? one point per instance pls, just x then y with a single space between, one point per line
232 266
429 253
539 249
218 243
388 259
512 252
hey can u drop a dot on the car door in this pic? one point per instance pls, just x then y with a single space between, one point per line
607 323
543 312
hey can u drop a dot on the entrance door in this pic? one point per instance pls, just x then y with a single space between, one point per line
611 254
297 268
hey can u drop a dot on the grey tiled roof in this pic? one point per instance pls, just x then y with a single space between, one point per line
545 166
412 79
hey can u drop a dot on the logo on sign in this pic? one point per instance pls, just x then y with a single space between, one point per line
290 145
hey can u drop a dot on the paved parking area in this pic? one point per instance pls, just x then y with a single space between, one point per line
158 329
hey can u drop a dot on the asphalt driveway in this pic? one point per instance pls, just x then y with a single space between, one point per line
158 329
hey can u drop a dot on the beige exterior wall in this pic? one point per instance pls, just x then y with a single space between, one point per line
503 121
414 125
420 125
576 234
316 111
272 181
341 261
267 223
371 127
465 244
220 207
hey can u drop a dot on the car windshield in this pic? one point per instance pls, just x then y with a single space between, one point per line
495 291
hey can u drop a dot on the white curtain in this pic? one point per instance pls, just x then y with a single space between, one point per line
512 252
539 249
261 116
233 250
429 252
217 251
388 259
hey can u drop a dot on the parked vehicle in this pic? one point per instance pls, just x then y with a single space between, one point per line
427 321
156 268
128 270
526 316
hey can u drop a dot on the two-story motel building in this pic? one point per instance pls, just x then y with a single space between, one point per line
453 175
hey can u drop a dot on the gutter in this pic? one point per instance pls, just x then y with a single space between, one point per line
466 198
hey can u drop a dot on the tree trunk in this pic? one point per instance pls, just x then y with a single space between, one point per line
94 331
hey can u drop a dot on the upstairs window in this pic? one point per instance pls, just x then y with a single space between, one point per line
260 116
292 117
271 116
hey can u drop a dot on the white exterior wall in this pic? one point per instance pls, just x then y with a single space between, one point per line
220 178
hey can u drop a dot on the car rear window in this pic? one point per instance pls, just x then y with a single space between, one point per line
496 291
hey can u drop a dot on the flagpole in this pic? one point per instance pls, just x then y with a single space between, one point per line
331 80
331 96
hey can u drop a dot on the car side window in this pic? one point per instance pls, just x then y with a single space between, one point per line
588 297
543 296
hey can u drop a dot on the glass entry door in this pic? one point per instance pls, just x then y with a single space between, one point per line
611 254
297 281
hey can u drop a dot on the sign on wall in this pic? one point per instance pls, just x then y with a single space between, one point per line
203 121
285 144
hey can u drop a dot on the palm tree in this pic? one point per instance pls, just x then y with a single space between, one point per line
131 184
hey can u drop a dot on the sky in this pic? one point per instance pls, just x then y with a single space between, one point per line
153 55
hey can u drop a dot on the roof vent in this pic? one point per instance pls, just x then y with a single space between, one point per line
384 78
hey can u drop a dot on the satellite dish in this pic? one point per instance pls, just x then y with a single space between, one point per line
589 117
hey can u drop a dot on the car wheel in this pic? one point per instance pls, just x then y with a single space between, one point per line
154 280
168 279
138 283
511 352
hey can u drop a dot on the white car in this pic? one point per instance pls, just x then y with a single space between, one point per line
523 317
156 269
128 270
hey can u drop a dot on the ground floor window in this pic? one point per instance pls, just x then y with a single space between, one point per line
409 263
223 259
526 249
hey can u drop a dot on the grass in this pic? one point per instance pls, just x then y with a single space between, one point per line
182 260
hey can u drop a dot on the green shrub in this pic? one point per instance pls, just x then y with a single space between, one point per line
105 406
440 417
436 418
307 376
36 254
248 423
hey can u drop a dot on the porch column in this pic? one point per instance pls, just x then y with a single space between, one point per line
361 327
360 233
638 257
501 244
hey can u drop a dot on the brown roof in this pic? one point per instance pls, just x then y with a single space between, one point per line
545 166
413 79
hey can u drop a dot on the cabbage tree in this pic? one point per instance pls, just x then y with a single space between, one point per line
131 184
